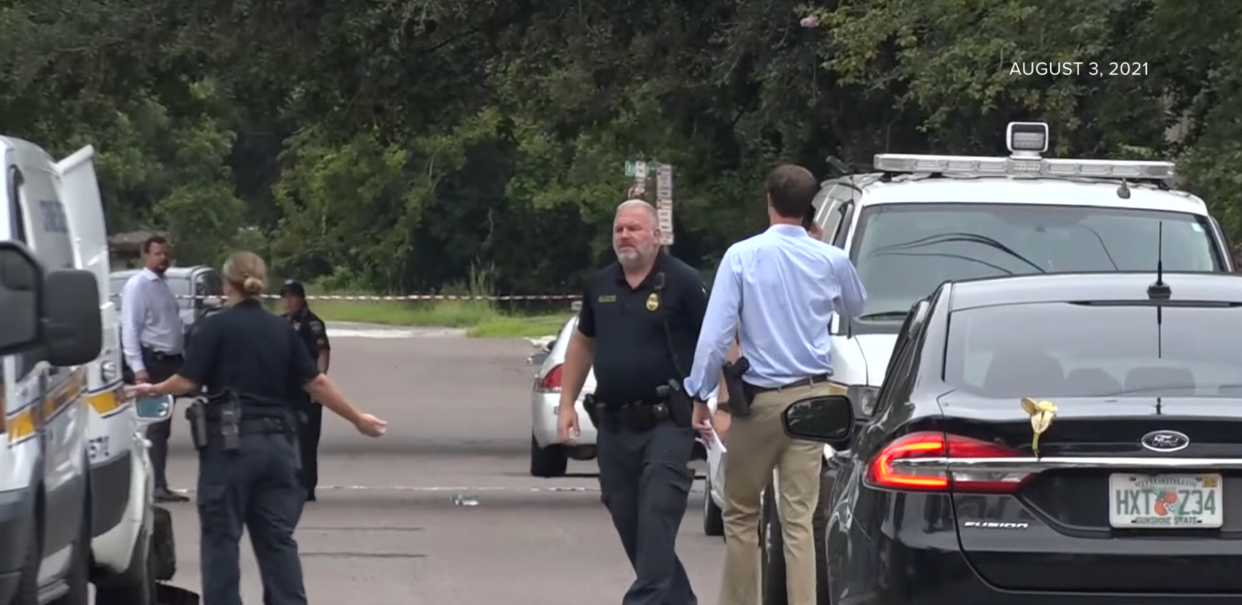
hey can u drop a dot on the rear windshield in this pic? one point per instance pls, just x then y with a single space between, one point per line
903 252
1074 350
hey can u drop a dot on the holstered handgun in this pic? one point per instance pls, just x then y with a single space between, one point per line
594 410
197 415
740 397
676 404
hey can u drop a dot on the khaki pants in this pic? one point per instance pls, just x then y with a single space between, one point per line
758 445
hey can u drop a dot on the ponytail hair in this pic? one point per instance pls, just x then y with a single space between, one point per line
246 272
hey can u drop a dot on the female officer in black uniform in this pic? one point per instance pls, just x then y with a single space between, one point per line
253 360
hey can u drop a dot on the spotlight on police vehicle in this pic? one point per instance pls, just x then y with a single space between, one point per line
1027 139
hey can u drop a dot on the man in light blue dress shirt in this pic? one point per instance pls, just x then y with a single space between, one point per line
153 342
778 290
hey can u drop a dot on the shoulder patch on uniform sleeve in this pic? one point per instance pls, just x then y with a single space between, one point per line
316 327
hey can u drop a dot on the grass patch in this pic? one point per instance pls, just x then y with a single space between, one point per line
480 319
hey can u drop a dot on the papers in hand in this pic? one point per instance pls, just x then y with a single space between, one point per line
715 459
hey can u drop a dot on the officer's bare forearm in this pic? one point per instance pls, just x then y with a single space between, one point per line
322 390
175 385
578 357
324 359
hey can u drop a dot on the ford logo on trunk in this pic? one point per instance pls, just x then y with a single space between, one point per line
1165 441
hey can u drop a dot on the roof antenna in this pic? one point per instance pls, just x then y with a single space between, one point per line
1123 191
1159 290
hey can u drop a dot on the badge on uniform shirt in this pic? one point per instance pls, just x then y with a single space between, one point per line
653 301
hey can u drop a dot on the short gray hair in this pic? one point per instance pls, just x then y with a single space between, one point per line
637 203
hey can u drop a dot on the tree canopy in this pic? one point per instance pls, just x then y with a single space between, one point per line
410 145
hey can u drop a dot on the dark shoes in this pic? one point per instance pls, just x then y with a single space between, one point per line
165 495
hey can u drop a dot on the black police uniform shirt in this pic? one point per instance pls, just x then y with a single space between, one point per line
631 351
253 353
311 330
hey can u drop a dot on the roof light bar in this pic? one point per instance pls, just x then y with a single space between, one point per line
1018 166
1025 138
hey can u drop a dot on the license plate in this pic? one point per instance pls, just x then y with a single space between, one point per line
1165 501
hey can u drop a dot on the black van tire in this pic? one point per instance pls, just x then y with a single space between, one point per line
137 585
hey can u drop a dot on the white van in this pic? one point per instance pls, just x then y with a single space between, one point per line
90 468
917 221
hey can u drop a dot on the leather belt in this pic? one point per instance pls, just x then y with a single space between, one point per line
253 426
797 384
161 355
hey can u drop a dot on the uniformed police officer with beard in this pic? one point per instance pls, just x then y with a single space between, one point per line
314 335
638 325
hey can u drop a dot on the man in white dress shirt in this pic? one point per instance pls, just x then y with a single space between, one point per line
153 340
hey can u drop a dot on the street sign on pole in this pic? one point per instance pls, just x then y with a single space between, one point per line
640 170
664 215
664 182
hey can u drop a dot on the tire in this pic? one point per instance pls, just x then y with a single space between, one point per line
547 461
137 587
27 592
713 517
79 575
819 523
772 546
772 552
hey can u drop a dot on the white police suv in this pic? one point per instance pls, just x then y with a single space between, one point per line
916 221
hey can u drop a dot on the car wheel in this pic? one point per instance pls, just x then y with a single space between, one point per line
137 587
772 552
548 461
772 545
713 518
819 524
79 576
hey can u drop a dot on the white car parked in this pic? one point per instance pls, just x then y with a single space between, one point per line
548 457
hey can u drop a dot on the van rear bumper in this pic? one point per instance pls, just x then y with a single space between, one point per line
17 523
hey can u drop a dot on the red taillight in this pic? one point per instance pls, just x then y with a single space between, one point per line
552 380
886 470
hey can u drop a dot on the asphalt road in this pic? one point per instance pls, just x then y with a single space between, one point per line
387 530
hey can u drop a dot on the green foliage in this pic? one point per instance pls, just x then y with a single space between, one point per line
404 146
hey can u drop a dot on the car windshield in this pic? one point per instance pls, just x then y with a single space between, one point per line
903 252
1078 350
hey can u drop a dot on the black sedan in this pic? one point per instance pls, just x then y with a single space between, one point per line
1044 440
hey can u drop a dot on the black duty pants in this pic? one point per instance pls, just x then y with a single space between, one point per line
310 426
160 368
645 481
255 488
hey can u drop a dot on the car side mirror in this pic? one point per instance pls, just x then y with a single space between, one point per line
72 328
21 297
827 420
150 410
